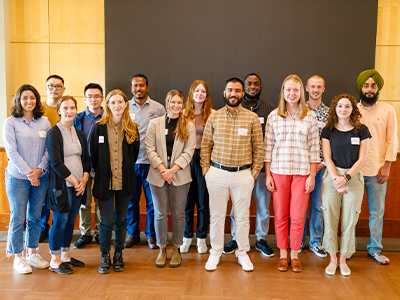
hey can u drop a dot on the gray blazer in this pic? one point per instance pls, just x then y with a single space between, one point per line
156 153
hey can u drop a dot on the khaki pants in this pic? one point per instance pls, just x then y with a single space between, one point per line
350 203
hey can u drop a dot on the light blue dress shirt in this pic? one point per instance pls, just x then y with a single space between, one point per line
25 144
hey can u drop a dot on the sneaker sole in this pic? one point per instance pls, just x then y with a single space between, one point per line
381 263
38 267
318 254
105 272
229 252
265 254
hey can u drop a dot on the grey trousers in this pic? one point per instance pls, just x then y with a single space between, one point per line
169 198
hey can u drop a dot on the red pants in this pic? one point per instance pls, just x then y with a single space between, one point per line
290 199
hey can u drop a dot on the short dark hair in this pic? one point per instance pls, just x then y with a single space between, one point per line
235 79
93 86
253 74
141 76
65 98
56 77
16 108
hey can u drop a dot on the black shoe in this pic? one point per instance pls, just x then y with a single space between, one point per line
97 238
43 235
62 269
230 248
263 247
118 262
83 241
75 263
105 264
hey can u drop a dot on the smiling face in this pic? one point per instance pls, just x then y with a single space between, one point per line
139 89
117 105
233 94
175 106
252 87
315 88
344 108
291 92
200 94
67 111
28 101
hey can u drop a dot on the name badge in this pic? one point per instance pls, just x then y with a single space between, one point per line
132 115
242 131
302 128
261 120
355 141
166 131
101 139
42 134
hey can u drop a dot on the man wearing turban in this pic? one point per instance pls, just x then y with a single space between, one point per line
380 118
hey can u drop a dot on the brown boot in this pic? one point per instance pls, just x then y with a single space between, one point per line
161 260
176 258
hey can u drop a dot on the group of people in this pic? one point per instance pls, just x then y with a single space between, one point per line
188 155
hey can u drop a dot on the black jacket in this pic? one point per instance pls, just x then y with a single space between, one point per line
57 199
100 154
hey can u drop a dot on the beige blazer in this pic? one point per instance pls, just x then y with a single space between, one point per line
156 153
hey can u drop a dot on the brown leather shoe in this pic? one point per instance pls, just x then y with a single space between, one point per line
296 266
131 240
283 264
152 243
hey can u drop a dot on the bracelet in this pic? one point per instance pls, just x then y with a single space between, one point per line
344 176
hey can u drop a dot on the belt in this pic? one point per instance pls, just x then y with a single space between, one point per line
230 169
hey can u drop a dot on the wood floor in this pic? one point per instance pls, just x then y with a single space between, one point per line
142 280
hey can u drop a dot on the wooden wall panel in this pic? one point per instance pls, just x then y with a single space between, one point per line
4 207
84 22
387 61
388 29
28 21
78 64
30 64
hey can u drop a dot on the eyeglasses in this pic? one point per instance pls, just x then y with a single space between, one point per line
96 97
57 87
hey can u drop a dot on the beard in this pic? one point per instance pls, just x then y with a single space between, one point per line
369 100
231 104
255 97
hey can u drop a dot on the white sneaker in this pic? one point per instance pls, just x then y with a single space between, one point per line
21 266
186 244
201 246
244 261
212 263
35 260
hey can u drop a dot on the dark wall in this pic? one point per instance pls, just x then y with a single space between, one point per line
176 42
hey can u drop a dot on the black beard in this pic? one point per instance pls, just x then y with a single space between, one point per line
369 100
255 97
233 105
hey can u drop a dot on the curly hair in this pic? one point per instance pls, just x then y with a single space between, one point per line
207 105
16 108
128 126
355 115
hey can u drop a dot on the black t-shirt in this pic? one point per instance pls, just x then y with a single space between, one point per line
170 124
345 145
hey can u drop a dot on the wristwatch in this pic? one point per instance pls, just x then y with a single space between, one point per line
348 177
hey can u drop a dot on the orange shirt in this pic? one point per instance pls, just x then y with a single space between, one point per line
50 112
382 124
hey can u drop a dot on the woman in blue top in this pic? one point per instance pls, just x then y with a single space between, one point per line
345 147
26 178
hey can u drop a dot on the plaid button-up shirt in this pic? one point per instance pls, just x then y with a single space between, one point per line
233 140
291 144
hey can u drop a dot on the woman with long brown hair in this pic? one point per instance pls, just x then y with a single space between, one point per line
170 143
198 108
114 147
344 146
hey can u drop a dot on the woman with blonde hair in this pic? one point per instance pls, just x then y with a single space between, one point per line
114 147
344 146
198 108
291 155
170 143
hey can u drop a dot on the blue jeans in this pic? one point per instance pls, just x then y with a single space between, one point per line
24 198
133 216
113 214
197 195
316 215
376 204
261 198
63 224
45 216
170 198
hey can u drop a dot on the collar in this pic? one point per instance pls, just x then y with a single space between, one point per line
246 104
134 103
315 109
368 107
295 115
236 110
89 114
22 119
